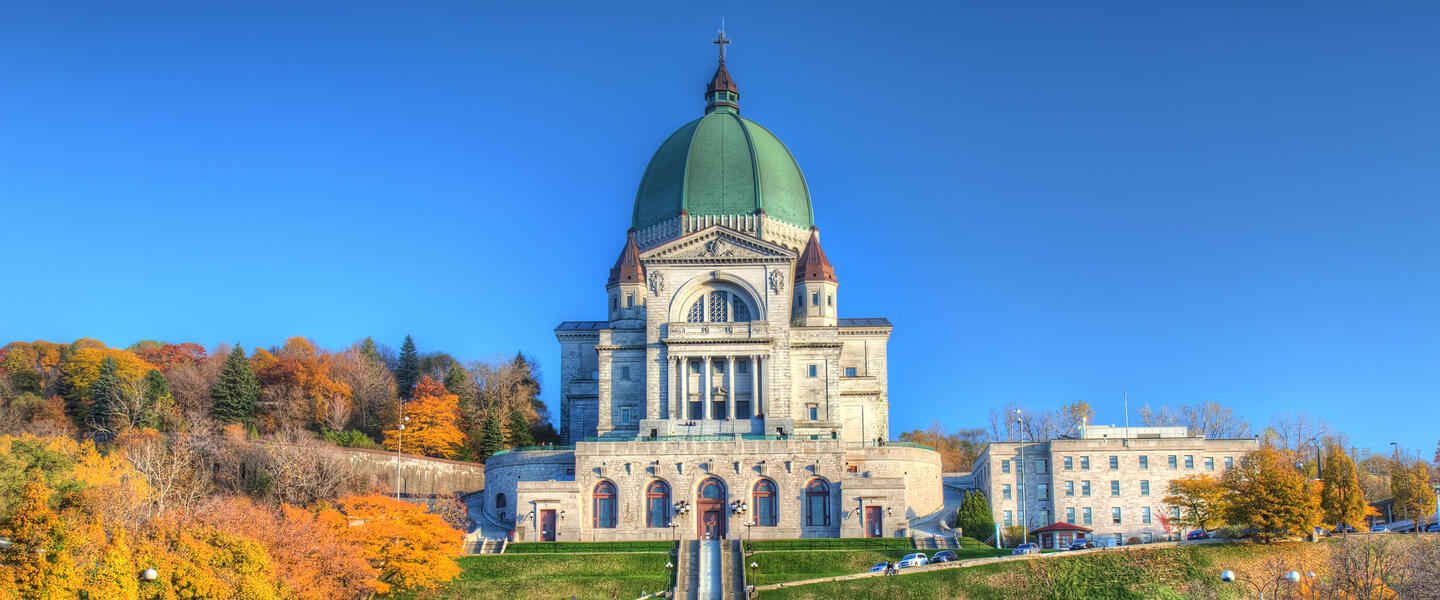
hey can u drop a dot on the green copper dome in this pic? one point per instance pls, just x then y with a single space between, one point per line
722 164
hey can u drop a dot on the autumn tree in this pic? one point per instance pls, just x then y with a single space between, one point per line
432 429
310 557
407 369
957 450
1265 492
166 355
38 566
236 389
83 367
1410 485
371 384
1208 419
1201 501
1341 500
425 559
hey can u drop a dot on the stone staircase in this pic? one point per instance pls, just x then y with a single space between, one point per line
687 575
733 570
936 542
476 544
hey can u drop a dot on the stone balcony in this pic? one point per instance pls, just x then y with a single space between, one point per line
717 332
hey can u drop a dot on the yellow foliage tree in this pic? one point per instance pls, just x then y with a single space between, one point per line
1201 501
412 549
39 566
433 428
1265 492
83 368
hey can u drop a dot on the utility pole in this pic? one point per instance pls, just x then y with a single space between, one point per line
1020 476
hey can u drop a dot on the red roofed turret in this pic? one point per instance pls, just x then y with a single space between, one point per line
813 265
627 268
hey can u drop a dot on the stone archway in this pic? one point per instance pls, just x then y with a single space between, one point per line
710 517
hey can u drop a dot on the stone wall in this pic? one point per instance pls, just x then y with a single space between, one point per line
418 474
918 469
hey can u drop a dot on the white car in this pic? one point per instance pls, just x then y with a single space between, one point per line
914 560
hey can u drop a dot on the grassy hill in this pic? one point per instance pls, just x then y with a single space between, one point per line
552 576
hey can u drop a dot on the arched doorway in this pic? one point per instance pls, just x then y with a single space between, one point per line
710 509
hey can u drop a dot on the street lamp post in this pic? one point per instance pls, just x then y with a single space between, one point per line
749 587
398 445
1260 588
1020 476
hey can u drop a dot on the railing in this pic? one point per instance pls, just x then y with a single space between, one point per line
724 437
532 448
882 444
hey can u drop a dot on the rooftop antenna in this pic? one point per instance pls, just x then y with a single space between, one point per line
1127 411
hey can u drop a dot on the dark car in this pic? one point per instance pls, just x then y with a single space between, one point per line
943 556
1196 535
1026 549
1082 544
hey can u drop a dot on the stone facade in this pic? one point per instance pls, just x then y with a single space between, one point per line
1103 470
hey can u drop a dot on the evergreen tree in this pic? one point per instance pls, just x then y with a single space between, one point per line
1342 500
369 350
492 438
407 371
236 390
974 517
160 402
457 381
519 430
105 393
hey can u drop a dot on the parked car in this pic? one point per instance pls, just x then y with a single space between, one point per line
914 560
1027 549
1082 544
1433 528
944 556
1344 529
1379 529
1198 534
879 567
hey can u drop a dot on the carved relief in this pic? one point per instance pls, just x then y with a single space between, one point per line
717 248
777 281
657 282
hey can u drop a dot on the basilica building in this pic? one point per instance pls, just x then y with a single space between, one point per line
723 394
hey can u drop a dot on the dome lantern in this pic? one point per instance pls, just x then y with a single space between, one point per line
722 93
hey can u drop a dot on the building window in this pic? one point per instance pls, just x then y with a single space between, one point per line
814 370
1042 491
719 307
766 504
1118 538
1173 464
1069 488
1189 461
1004 466
815 299
1145 515
1174 512
657 505
719 366
814 412
1115 515
1209 463
830 300
604 510
629 300
695 367
1144 462
625 373
1044 518
1085 488
1009 519
1005 492
1070 516
1114 488
1144 488
1114 463
1020 490
1084 463
614 303
817 502
1041 465
742 312
697 311
1019 466
849 371
1087 516
625 415
742 367
1069 463
499 500
1229 462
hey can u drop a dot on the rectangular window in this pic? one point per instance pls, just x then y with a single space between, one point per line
1114 488
1119 539
742 367
1209 463
1009 519
1189 461
629 300
1144 462
1005 466
719 366
815 299
1115 515
1070 516
614 302
1173 463
830 300
814 412
1041 465
625 373
695 367
849 371
1005 492
1144 488
1069 488
814 370
1085 488
1114 463
624 415
1145 515
1087 516
1044 517
1042 492
1084 463
1174 512
1020 489
1069 463
1229 462
1019 466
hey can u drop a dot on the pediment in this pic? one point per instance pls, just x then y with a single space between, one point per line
718 244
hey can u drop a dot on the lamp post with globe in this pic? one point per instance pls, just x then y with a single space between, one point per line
400 443
1262 587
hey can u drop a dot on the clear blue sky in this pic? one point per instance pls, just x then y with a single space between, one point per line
1227 201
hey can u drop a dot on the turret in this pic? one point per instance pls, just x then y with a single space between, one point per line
815 287
626 286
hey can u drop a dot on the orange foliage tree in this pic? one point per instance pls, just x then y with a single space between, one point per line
39 566
308 371
433 428
312 559
412 549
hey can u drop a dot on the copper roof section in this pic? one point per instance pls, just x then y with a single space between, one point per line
627 268
721 82
813 265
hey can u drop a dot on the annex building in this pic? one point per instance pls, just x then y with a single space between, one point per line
722 393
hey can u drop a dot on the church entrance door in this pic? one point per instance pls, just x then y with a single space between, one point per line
547 525
872 521
710 504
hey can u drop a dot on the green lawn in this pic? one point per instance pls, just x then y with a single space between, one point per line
777 567
554 576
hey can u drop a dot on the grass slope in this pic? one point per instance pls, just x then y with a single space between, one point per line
551 576
777 567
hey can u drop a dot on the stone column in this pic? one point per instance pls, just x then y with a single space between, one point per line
730 397
754 385
670 392
685 387
705 381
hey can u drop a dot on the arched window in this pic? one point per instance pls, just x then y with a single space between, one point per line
766 504
712 489
817 502
604 514
718 306
697 311
742 312
499 500
657 505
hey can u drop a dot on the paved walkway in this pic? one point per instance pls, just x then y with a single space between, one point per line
712 585
930 524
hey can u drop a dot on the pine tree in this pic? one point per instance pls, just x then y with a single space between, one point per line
105 393
974 517
407 372
458 382
161 402
519 430
1342 500
492 438
369 350
236 390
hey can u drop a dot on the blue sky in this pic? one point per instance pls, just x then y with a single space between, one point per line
1223 202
